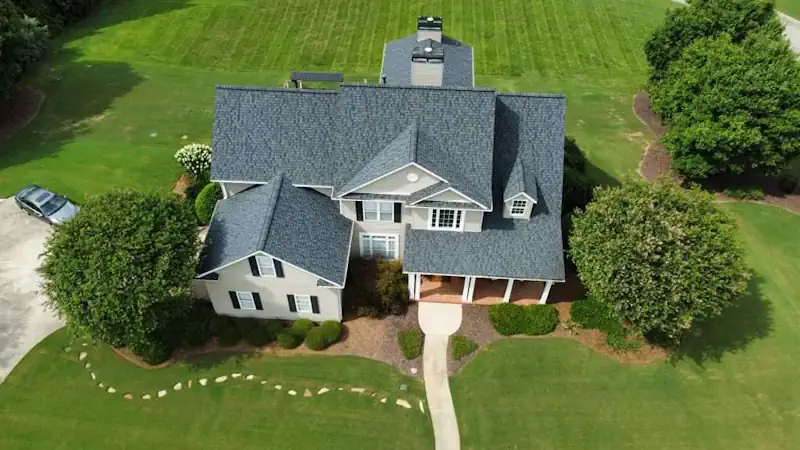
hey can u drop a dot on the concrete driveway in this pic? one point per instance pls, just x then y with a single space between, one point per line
23 319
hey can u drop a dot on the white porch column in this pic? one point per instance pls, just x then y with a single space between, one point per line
507 296
546 293
418 286
472 281
412 283
465 291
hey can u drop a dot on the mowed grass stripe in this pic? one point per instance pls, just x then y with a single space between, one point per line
196 28
511 47
276 47
558 60
629 49
522 38
216 52
245 48
594 56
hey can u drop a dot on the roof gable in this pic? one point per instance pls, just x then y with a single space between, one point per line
520 181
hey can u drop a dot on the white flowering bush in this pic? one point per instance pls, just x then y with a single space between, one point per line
196 160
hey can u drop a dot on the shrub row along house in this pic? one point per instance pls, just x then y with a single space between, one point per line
462 184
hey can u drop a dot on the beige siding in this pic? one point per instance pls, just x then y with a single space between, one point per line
447 196
273 291
348 209
398 184
234 188
473 220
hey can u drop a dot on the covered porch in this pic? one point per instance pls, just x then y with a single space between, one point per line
477 290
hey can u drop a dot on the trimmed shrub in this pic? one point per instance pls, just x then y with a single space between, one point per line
591 314
508 318
289 338
540 319
315 339
617 337
196 160
152 351
410 343
746 193
462 346
219 324
302 327
206 201
332 330
258 336
787 182
376 288
230 336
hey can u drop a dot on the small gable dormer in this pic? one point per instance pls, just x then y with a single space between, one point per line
519 196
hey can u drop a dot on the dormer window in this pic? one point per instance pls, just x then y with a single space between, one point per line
446 219
518 208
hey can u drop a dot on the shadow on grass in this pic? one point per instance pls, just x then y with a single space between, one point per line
218 358
747 320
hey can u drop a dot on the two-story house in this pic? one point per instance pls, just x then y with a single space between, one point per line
462 184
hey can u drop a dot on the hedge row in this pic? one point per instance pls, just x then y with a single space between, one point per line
509 319
592 314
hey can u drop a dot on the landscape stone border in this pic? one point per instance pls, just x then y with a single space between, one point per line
83 358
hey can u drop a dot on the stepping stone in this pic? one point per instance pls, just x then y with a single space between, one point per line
278 387
403 387
84 344
307 393
383 400
322 391
101 385
235 375
357 390
403 403
203 381
264 382
152 135
161 393
190 384
413 370
82 356
220 379
373 395
146 397
248 378
177 387
184 137
94 377
292 392
87 365
67 349
128 397
341 389
111 390
421 407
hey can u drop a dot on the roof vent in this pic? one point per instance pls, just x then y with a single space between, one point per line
428 49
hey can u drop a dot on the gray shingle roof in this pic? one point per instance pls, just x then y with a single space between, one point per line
261 131
428 191
520 180
529 127
296 225
457 61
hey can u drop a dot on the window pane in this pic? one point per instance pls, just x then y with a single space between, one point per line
387 207
370 206
246 300
446 218
458 219
303 303
265 266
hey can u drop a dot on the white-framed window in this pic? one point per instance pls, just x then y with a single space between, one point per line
246 300
376 211
265 266
379 245
446 219
303 303
518 207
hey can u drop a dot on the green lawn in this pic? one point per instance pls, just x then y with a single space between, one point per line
126 85
50 402
790 7
735 387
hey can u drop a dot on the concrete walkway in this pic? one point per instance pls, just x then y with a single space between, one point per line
438 321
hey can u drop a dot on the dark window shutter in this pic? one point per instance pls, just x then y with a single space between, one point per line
257 301
234 300
314 304
254 266
359 211
278 268
292 304
398 212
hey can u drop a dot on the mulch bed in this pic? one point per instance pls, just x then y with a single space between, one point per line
18 110
656 161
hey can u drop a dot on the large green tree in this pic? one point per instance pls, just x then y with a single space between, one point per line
56 14
22 42
662 257
732 108
707 18
121 269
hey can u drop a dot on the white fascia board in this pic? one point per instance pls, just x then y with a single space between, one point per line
239 181
349 249
432 195
411 164
456 191
520 194
496 277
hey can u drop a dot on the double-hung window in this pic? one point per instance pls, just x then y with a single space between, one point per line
518 207
379 246
446 219
266 268
246 300
303 303
375 211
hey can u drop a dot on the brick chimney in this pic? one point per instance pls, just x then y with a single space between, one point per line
427 63
429 27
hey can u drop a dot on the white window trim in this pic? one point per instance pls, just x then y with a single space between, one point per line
272 261
460 227
378 203
241 299
297 297
396 243
512 207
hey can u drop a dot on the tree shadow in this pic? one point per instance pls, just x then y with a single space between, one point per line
207 361
747 320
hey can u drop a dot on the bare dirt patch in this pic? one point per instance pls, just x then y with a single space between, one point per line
19 110
656 162
182 185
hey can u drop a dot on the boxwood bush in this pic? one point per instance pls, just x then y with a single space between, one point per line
591 314
206 201
508 318
462 346
410 343
302 327
540 319
332 331
315 339
261 334
289 338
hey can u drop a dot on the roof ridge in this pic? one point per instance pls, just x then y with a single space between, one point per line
413 139
419 87
229 87
531 94
270 210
